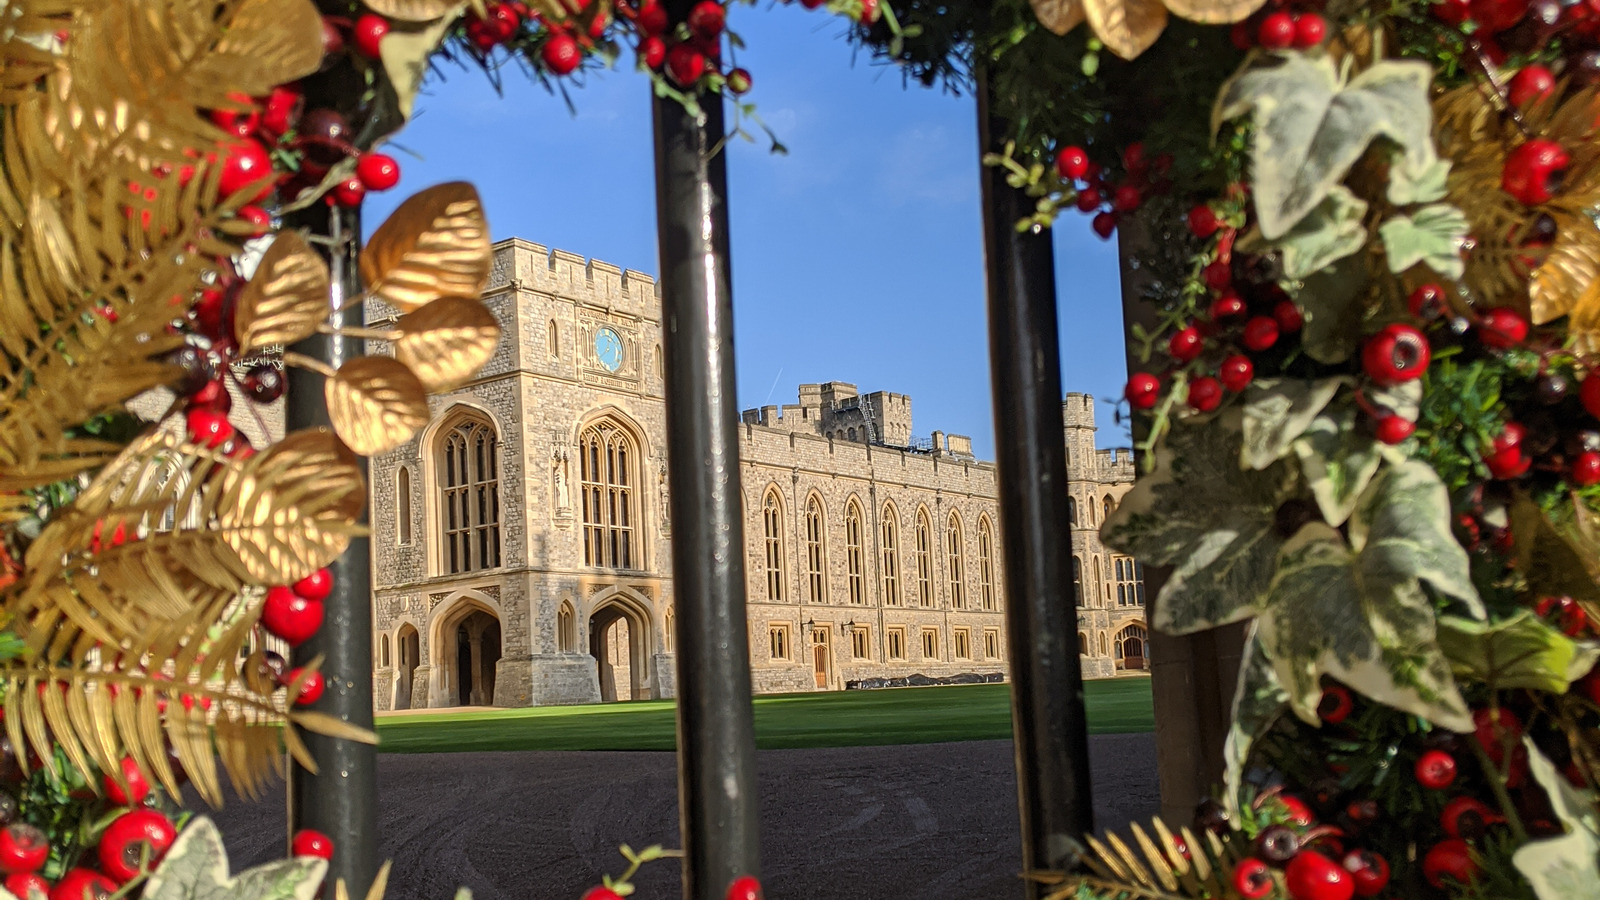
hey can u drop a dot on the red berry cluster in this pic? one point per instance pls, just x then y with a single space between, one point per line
1281 26
1109 197
1306 859
295 613
1503 27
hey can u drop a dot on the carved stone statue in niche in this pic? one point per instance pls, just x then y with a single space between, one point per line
560 493
666 507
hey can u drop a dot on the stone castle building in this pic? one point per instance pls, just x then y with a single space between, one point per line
521 542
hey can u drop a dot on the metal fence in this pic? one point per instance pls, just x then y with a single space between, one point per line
716 735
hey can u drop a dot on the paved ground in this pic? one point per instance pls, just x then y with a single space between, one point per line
929 821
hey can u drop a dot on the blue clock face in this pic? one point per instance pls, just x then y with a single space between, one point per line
608 349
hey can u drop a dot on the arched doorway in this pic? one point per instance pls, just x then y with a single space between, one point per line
1131 644
619 636
468 650
408 656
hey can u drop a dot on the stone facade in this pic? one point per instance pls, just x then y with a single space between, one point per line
521 542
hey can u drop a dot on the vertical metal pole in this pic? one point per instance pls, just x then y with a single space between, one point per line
341 799
716 725
1047 712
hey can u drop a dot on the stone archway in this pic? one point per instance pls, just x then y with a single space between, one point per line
408 656
619 641
466 653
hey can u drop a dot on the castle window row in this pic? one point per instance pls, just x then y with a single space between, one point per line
1127 582
780 644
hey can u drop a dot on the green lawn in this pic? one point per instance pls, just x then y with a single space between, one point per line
831 719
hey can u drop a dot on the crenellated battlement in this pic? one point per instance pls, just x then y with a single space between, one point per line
536 267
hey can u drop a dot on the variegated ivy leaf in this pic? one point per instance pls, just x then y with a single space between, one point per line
1358 611
1565 867
1279 410
1523 651
1331 231
196 868
1311 126
1257 702
1408 185
1338 458
1433 235
1197 512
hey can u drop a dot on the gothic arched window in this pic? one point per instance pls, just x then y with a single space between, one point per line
924 559
402 505
816 579
890 551
608 468
1072 512
985 564
854 554
470 489
772 539
955 559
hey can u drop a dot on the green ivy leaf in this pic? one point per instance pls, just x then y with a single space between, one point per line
1277 411
1197 512
1331 303
1520 652
1565 867
1338 458
1311 128
1358 612
1257 702
1408 184
196 868
1331 231
1434 235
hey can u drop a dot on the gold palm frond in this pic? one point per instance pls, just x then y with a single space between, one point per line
1166 866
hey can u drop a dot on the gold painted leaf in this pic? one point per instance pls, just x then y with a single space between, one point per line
286 299
446 342
1127 27
376 404
267 43
1584 326
435 245
292 509
1058 16
1571 266
415 10
1215 12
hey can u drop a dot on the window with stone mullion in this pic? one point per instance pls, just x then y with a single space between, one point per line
854 552
471 495
958 587
815 579
772 528
891 559
606 473
985 565
924 554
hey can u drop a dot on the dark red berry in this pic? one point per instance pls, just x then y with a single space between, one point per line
1276 32
1532 172
308 842
1427 302
1532 84
1088 200
367 34
1566 612
1586 469
1336 704
1277 844
561 54
1312 876
1236 373
1310 30
1218 275
1449 859
707 19
1494 731
264 382
1252 879
1143 390
1289 316
1104 224
1502 328
311 689
135 842
1126 198
1203 221
1260 333
1435 770
1072 163
1589 393
1394 429
23 848
685 64
1185 344
291 616
1228 305
739 81
1370 871
1205 393
350 192
1397 353
653 51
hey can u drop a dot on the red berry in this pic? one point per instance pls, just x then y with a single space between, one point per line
1493 732
1299 812
1566 611
24 885
1532 84
23 848
138 787
1336 704
291 616
241 119
1436 770
316 586
1395 429
1143 390
1453 12
600 892
745 887
367 34
246 164
1126 198
869 12
707 19
1586 469
259 220
652 17
739 81
1502 328
1494 16
1450 859
1466 817
1260 333
311 689
1252 878
1104 224
1510 437
1228 305
1205 393
1288 315
1237 372
308 842
1218 275
1427 302
208 427
685 64
350 192
1312 876
561 53
134 842
1203 221
1370 871
1396 354
1185 344
1589 393
83 884
1133 158
653 51
1072 163
1276 32
1310 30
1088 200
378 171
1532 171
1506 465
1240 36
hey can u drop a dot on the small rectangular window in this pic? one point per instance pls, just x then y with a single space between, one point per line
991 643
778 641
896 639
963 643
930 643
860 642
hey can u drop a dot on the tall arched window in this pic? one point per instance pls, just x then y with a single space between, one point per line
1077 579
471 497
402 505
772 535
383 652
608 464
816 581
553 341
1072 512
854 554
1083 644
924 555
566 629
955 559
671 636
1098 579
985 564
1105 508
890 550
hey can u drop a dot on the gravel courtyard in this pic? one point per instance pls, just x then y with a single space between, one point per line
925 821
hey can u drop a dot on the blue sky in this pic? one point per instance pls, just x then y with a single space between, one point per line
857 257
